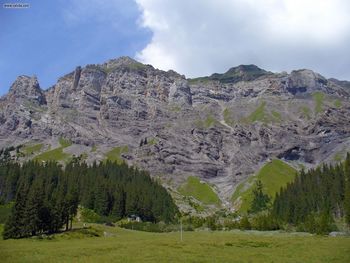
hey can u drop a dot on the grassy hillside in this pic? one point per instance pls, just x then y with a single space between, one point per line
114 155
199 190
273 175
112 244
56 154
32 148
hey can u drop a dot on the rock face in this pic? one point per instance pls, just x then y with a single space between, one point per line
221 128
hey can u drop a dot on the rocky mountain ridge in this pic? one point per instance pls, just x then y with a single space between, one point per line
220 128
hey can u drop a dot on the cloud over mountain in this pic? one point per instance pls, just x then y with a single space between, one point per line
201 36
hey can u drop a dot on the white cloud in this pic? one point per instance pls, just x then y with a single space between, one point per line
198 37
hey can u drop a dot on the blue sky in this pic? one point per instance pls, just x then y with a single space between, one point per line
195 38
51 38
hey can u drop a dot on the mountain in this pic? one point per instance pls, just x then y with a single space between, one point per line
221 128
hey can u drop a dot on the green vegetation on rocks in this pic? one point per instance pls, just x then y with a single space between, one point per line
277 116
228 117
114 155
64 142
56 154
152 141
259 114
319 101
206 123
31 149
93 148
306 112
337 103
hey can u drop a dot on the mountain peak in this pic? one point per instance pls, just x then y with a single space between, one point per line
25 87
123 61
246 68
240 73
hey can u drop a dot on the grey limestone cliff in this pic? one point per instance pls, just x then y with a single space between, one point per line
220 128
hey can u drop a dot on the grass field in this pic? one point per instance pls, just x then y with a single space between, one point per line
199 190
121 245
273 175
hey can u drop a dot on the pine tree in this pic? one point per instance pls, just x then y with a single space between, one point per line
34 206
260 199
347 189
72 200
118 209
15 225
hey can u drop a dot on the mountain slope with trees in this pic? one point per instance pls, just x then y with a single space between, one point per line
315 198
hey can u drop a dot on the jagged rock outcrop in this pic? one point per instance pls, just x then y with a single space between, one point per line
221 128
180 93
26 89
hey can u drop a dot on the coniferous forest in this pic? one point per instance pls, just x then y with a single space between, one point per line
315 198
46 196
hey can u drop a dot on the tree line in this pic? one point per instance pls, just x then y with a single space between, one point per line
310 203
46 195
316 197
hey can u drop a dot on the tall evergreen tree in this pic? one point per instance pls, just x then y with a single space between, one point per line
260 199
347 189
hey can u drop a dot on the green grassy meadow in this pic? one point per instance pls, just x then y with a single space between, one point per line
273 175
120 245
199 190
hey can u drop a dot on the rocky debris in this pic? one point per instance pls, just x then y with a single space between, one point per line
221 128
